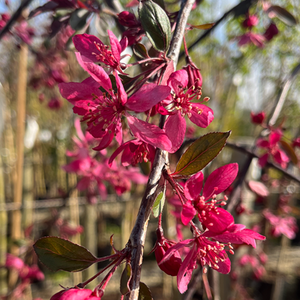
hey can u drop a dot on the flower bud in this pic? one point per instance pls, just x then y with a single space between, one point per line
172 265
75 294
128 19
258 118
251 21
195 77
14 262
271 31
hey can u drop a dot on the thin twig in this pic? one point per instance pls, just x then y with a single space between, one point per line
251 154
235 196
240 7
282 95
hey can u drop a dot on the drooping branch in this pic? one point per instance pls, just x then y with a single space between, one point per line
242 7
138 234
235 196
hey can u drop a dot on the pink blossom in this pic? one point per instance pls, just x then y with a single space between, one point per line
134 152
281 225
194 75
76 294
31 272
296 142
181 97
258 118
24 32
92 48
250 21
251 38
121 178
103 111
14 262
128 19
273 149
172 265
55 103
209 250
213 217
271 31
203 252
259 188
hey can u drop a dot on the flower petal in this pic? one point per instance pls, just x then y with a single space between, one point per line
193 186
116 48
204 118
188 213
74 91
86 45
149 133
148 96
220 179
97 73
175 127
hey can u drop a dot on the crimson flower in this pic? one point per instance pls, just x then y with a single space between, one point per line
181 97
103 111
179 104
207 251
172 265
281 225
251 38
271 31
92 48
258 118
76 294
273 149
213 217
134 152
250 21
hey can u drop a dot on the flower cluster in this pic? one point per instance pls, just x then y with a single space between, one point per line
95 171
104 104
257 39
211 243
273 149
27 274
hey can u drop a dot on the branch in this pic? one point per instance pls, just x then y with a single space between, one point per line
282 95
234 199
14 17
241 7
137 238
252 155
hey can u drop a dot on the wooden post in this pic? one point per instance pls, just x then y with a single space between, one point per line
16 232
3 234
90 240
16 229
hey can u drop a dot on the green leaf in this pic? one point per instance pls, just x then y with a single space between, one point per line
60 254
201 152
156 24
288 149
125 279
78 18
283 15
144 293
159 202
140 51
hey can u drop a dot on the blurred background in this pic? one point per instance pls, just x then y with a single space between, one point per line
242 73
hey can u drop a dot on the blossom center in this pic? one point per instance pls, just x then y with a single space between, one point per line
105 55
